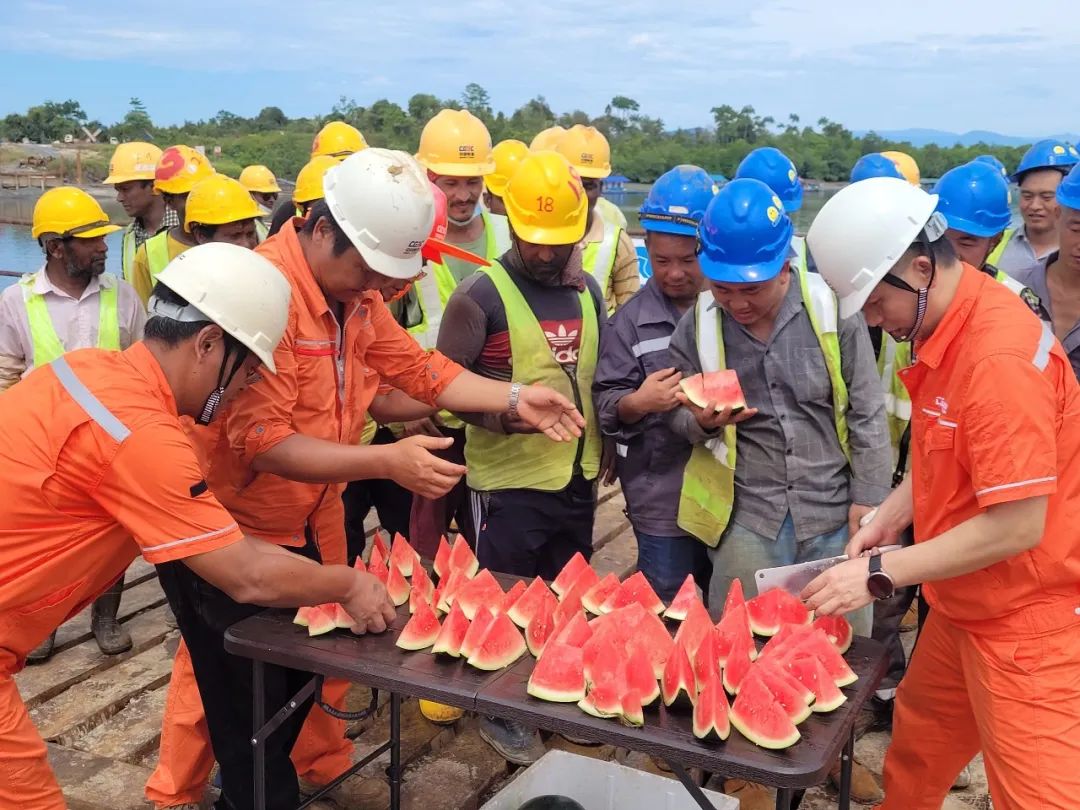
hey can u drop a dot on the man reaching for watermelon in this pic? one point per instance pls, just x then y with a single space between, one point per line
994 495
784 480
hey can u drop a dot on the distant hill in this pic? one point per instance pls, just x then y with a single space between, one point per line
924 137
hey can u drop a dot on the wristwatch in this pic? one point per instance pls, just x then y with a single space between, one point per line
879 583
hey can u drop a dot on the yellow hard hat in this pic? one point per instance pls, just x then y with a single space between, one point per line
338 139
545 201
217 200
68 211
456 143
259 178
907 166
587 150
133 161
507 156
179 169
309 181
547 138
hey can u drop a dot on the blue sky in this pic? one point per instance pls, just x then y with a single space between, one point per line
956 65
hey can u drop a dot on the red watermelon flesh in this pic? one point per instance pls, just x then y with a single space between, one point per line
585 580
516 591
378 543
535 597
319 621
437 601
785 640
301 617
541 627
421 631
809 671
462 558
721 388
678 686
450 586
570 603
734 596
442 559
454 628
791 699
630 711
475 634
501 646
639 674
634 588
377 564
416 599
595 596
570 572
403 556
777 670
397 587
481 591
773 609
575 632
740 658
602 657
706 661
358 564
632 623
688 593
818 645
733 628
696 625
761 719
421 581
711 721
342 619
838 629
605 699
559 676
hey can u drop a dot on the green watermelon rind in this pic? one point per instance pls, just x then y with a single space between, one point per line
694 388
319 622
684 597
550 692
402 555
595 596
455 624
704 727
421 630
751 728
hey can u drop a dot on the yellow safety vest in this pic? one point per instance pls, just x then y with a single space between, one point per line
598 258
799 244
708 490
262 230
497 242
368 433
532 460
157 255
611 212
127 251
47 345
892 357
995 255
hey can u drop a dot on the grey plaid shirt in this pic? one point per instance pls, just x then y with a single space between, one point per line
170 220
788 458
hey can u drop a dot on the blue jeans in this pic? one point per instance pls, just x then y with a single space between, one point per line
741 553
665 562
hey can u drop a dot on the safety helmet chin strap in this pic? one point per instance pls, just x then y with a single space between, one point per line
933 230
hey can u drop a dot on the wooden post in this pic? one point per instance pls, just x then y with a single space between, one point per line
78 167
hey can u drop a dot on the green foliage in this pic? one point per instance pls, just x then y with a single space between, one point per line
641 147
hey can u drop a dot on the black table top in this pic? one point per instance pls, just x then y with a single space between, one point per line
375 661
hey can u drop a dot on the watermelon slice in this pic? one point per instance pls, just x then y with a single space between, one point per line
811 674
377 563
570 572
454 628
733 628
734 596
397 587
786 639
416 599
534 598
777 670
575 632
442 559
605 699
421 583
696 625
403 556
739 660
761 719
512 596
437 601
838 629
462 558
789 697
378 542
634 623
721 388
818 645
602 658
711 721
541 626
475 634
558 677
421 631
776 607
342 619
301 617
501 646
687 594
450 586
634 588
585 580
639 674
319 621
595 596
358 564
707 660
630 711
481 591
678 686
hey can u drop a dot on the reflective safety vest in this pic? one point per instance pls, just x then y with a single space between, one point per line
598 258
47 345
995 255
798 244
708 490
532 460
367 435
262 230
157 255
127 251
892 357
497 242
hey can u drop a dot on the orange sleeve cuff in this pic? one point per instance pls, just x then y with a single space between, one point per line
262 437
192 546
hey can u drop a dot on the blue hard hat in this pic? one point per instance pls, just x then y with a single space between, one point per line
874 165
990 160
1047 154
677 201
1068 191
775 169
745 234
974 199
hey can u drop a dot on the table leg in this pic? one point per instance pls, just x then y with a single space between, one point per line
844 802
257 740
691 787
395 751
789 798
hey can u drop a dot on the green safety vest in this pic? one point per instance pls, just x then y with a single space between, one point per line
598 258
799 262
892 357
532 460
995 255
262 230
708 490
47 345
157 255
127 251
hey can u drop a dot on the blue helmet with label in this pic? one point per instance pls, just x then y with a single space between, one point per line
776 170
745 234
677 201
974 199
1047 154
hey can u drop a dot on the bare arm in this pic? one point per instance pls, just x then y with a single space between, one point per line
397 406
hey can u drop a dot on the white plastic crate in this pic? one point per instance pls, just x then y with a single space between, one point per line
599 785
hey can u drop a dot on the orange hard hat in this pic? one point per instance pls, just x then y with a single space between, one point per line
436 245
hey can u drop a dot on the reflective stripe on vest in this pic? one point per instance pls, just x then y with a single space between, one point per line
531 460
996 253
157 255
262 230
105 418
127 251
708 490
425 293
799 244
598 258
47 345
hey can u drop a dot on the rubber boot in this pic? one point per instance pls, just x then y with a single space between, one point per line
43 651
112 639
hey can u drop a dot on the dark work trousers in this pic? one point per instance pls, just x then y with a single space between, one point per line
392 502
203 614
888 614
431 517
531 533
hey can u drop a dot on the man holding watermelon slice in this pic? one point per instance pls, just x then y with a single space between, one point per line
994 495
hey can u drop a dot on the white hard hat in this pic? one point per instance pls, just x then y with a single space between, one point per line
382 200
236 288
862 231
